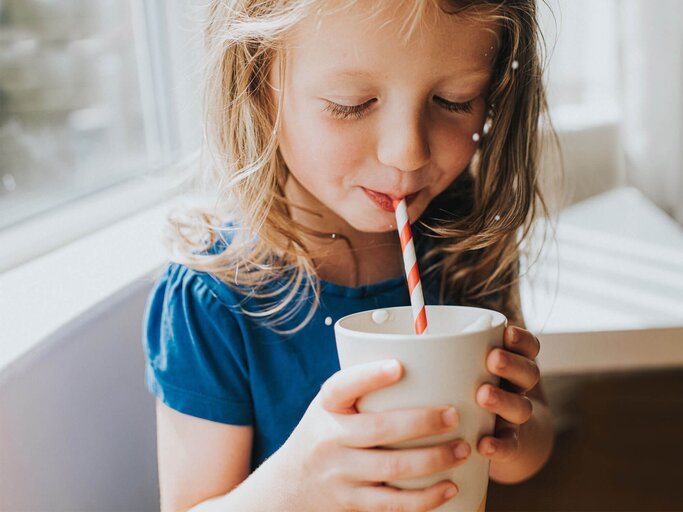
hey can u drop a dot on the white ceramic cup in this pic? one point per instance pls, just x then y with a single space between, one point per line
444 367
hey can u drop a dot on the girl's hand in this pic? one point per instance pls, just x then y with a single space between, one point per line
515 364
332 461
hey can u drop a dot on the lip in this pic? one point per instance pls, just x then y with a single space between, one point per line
385 201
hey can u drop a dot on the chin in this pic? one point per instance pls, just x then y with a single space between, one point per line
376 222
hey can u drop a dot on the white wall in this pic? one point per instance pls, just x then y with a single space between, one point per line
77 426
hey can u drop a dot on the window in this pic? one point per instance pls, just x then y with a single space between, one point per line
89 98
581 37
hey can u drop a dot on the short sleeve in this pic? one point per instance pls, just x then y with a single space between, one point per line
195 355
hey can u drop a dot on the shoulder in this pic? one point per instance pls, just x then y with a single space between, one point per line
183 299
180 284
194 346
224 236
202 286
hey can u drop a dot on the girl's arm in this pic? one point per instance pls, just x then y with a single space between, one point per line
204 467
198 459
262 491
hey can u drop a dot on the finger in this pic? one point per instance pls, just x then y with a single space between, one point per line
383 428
340 392
385 497
521 341
514 368
512 407
502 447
383 465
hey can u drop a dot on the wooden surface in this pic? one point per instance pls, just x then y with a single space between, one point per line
619 447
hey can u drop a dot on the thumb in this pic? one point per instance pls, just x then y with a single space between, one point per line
340 392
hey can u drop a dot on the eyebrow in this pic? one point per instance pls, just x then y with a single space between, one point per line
471 75
351 73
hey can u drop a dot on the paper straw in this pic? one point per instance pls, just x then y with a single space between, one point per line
417 302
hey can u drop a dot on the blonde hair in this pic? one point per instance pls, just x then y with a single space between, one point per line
475 222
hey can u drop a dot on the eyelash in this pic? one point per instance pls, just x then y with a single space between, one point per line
358 111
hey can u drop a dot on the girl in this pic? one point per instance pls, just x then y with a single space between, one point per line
318 113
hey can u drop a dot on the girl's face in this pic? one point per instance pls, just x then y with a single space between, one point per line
365 114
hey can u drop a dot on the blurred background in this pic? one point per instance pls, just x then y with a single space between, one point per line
99 117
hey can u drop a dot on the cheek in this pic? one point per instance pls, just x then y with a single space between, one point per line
455 147
318 151
340 148
454 150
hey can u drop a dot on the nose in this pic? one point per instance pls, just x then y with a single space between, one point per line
403 143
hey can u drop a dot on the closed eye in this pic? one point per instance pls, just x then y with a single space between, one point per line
464 108
358 111
346 111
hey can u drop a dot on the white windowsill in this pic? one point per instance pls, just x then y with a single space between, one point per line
51 230
618 273
48 292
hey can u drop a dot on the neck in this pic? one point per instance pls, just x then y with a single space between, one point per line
348 257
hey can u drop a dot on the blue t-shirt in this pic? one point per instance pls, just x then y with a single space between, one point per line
205 358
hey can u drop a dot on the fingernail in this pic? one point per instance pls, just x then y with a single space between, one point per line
451 491
461 451
449 417
491 397
490 448
502 360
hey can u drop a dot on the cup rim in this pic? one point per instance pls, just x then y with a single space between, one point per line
498 320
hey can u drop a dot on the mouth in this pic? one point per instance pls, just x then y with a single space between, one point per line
385 201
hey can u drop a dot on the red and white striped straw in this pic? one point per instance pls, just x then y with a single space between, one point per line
417 302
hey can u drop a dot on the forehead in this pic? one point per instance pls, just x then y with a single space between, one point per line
362 41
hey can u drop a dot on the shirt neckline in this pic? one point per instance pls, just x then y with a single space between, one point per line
365 290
